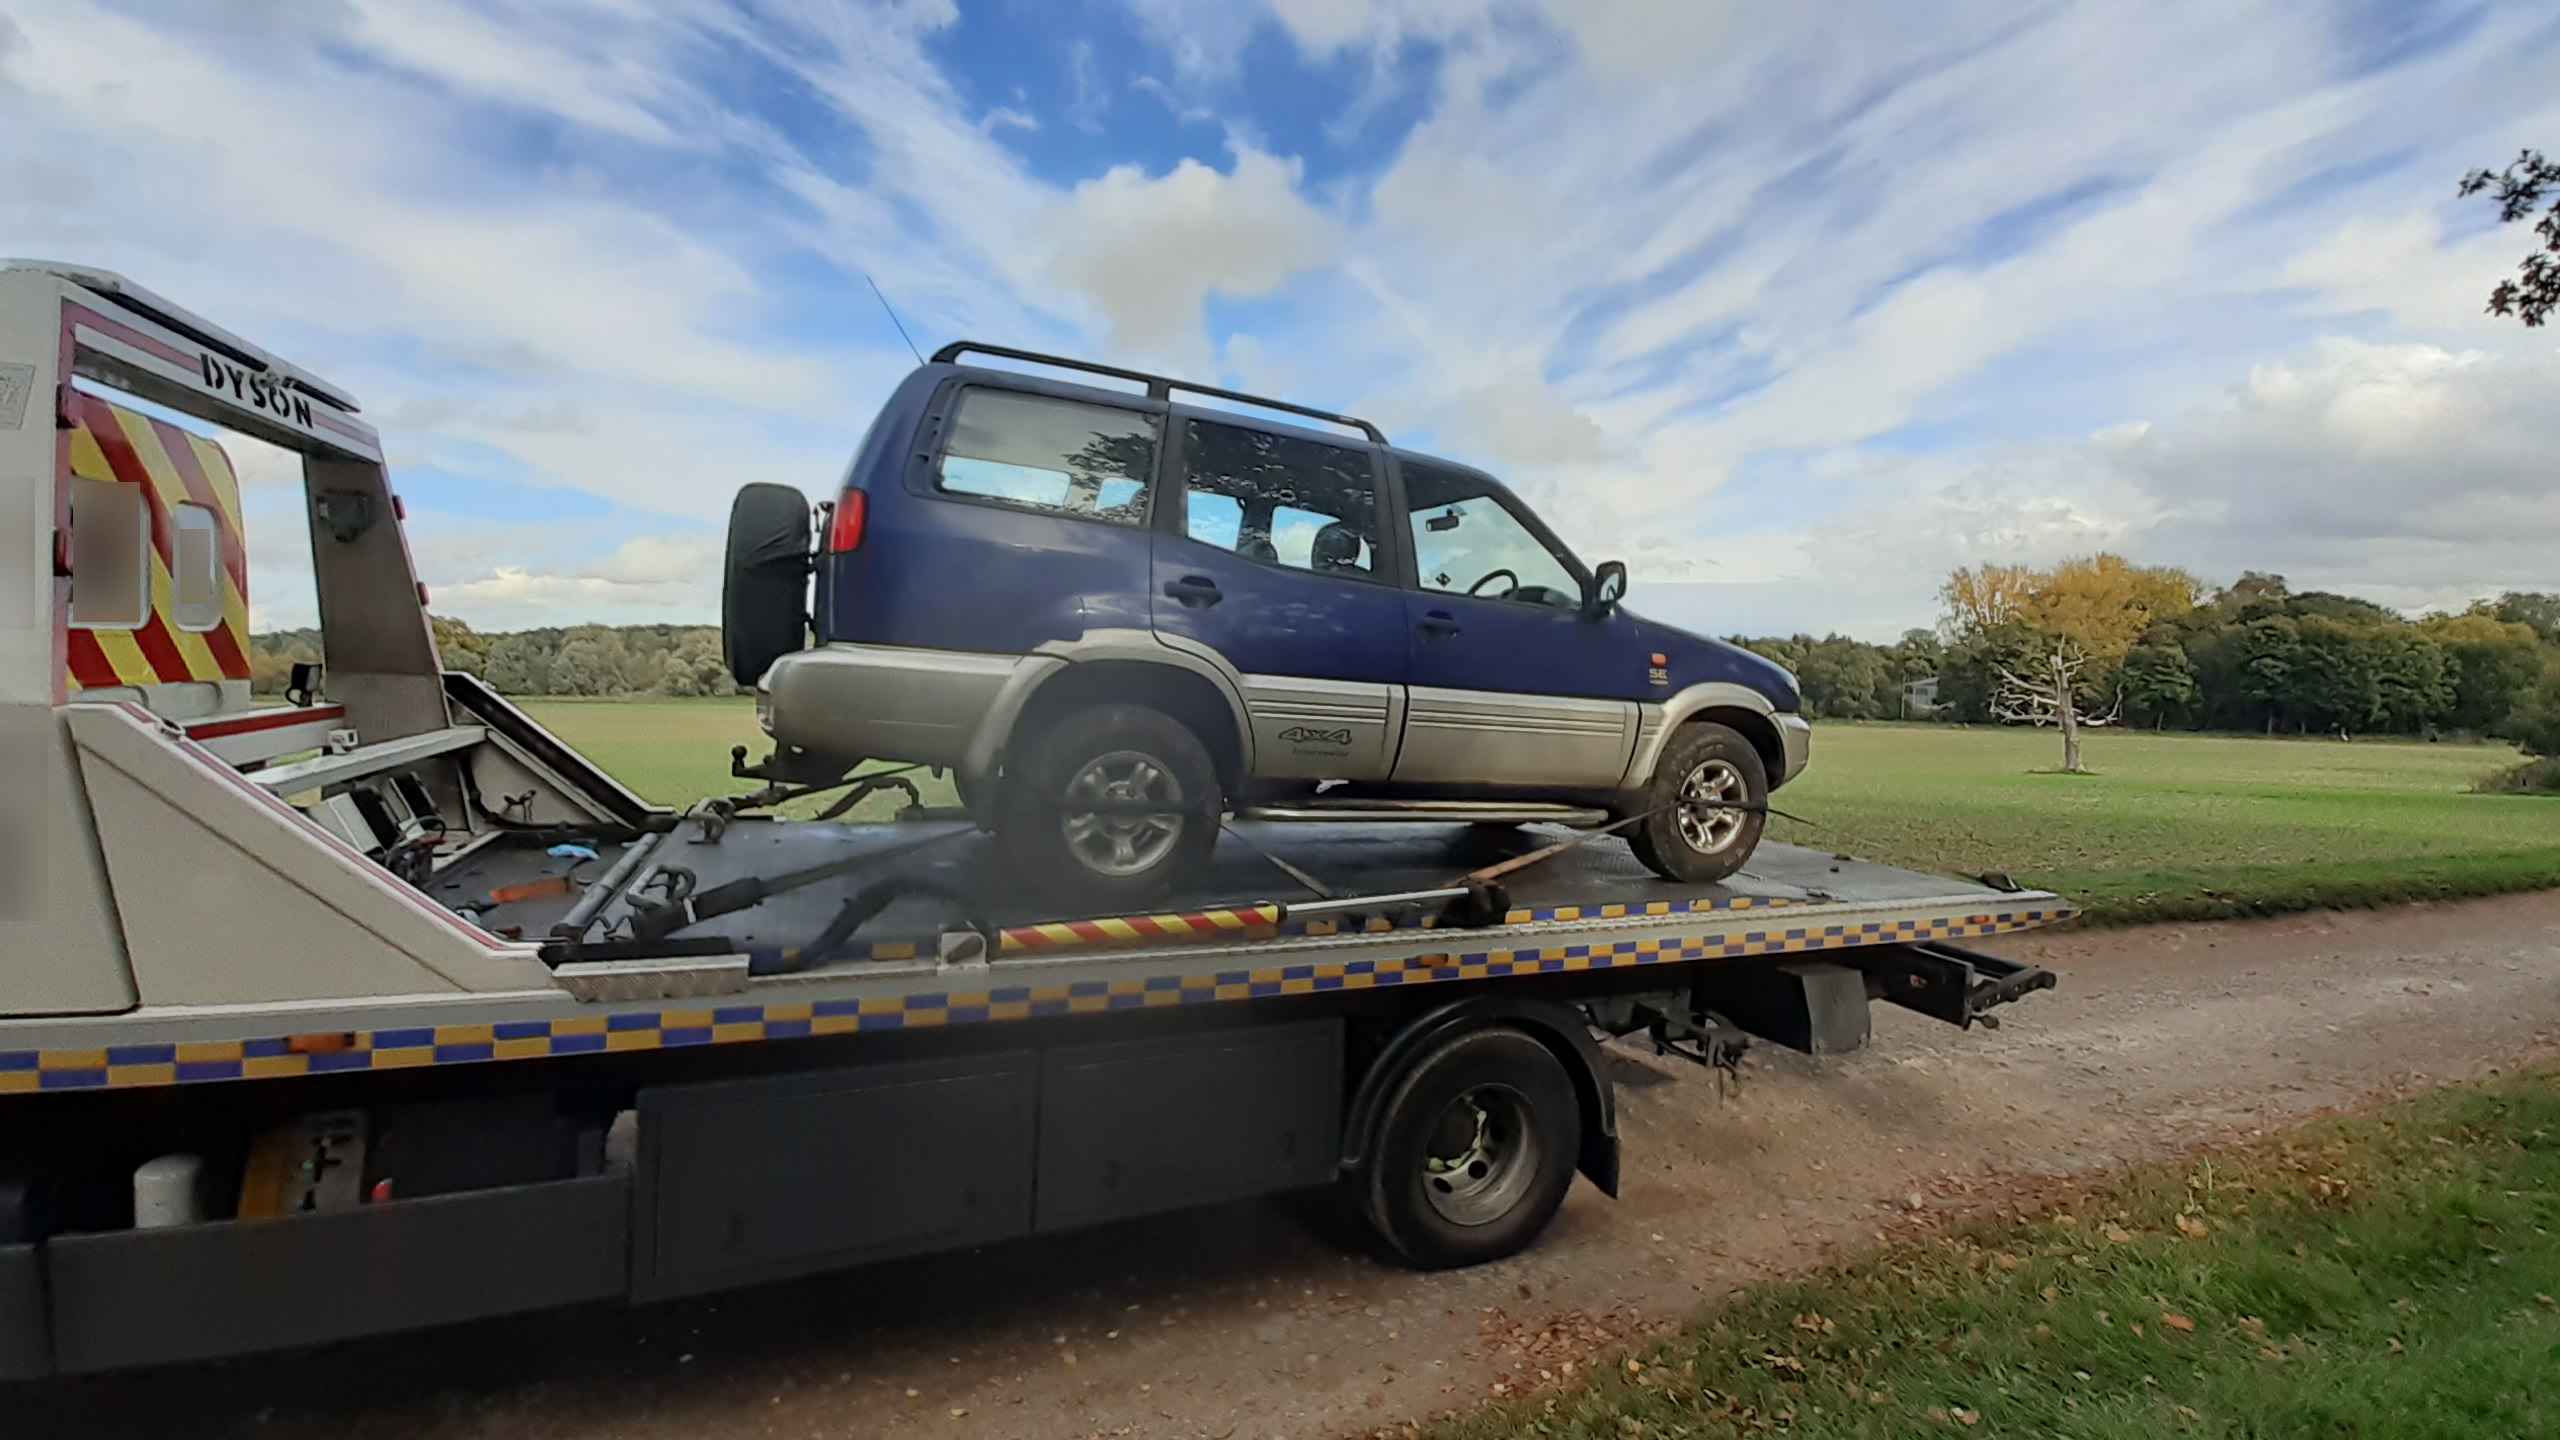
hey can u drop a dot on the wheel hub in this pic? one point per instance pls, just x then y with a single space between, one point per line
1710 795
1481 1157
1122 840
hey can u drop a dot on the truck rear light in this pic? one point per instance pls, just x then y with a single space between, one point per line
845 535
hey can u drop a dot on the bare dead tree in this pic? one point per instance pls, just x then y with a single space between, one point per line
2052 697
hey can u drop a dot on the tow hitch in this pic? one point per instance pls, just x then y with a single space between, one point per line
1951 983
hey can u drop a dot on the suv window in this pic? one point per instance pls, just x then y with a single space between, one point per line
1468 541
1061 456
1280 499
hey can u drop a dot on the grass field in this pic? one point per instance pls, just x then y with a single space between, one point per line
2169 826
2179 826
677 751
2388 1274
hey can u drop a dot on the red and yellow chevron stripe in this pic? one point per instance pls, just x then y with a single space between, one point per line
1139 929
109 442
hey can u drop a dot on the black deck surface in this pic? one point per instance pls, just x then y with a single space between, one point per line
1348 859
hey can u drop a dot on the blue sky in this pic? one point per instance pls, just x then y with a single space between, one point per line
1792 307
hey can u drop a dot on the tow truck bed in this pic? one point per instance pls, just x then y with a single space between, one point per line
1090 1082
1586 909
1348 859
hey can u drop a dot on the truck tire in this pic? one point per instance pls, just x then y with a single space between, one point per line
1120 753
764 583
1695 843
1474 1151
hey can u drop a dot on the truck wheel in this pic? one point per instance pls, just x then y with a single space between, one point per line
1475 1151
1125 756
1689 837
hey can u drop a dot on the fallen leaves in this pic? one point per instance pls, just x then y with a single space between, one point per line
1534 1354
2179 1323
2193 1227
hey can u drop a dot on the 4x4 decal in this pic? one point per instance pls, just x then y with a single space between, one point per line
1303 735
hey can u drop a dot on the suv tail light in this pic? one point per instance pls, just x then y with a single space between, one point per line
845 534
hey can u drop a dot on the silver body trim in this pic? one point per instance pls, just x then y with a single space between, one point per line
958 708
1478 737
1441 812
1323 729
886 702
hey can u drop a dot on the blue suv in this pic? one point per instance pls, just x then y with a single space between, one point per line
1118 618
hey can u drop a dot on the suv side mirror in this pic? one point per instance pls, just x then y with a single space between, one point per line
1608 586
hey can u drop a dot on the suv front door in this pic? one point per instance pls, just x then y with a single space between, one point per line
1510 684
1270 554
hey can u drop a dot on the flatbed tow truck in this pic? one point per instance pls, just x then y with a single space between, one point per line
385 1008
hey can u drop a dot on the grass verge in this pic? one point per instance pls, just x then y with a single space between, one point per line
2386 1274
2146 896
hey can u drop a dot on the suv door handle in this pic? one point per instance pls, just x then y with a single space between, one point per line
1438 622
1194 590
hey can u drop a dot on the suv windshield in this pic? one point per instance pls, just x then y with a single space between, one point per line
1467 541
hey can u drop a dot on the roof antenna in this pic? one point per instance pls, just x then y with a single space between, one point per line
893 317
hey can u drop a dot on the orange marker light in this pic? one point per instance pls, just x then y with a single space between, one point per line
1661 659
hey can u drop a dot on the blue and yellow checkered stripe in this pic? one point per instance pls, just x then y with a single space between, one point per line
1321 927
203 1061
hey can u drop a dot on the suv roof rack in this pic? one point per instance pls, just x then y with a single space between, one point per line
1159 387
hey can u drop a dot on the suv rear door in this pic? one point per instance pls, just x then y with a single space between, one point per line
1510 683
1271 550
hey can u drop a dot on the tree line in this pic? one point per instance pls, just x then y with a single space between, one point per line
570 660
2165 651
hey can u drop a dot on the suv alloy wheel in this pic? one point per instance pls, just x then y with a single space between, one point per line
1691 836
1111 805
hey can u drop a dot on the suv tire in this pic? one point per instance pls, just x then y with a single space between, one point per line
1122 753
1475 1149
764 584
1699 844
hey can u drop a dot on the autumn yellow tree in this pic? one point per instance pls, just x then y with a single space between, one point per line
2100 605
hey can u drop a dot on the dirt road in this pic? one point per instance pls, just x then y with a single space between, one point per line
1239 1324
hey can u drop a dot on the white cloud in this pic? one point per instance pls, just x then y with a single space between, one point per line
1520 419
690 558
1773 302
647 579
2401 267
1647 35
2413 475
1150 251
2363 465
592 79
